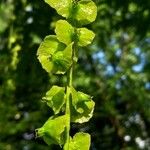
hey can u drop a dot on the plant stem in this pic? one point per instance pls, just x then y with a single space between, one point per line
69 85
68 100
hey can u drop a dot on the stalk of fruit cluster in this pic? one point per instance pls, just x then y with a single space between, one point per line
58 54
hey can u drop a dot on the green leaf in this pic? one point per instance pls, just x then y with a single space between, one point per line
53 131
49 46
62 6
82 107
55 98
54 56
46 50
64 32
85 36
80 141
63 60
86 12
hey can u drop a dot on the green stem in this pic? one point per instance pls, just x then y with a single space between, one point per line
69 85
68 100
68 113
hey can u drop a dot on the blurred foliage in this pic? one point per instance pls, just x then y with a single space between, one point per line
115 69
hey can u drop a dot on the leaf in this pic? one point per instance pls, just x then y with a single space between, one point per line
85 36
46 50
80 141
63 60
64 32
62 6
55 98
49 46
53 131
82 107
54 56
86 12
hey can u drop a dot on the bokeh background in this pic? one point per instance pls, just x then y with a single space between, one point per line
115 70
